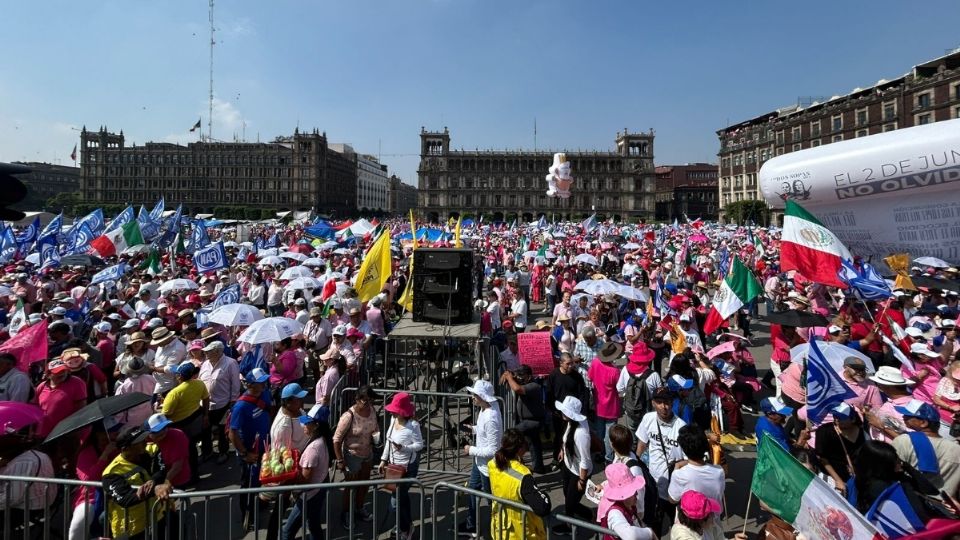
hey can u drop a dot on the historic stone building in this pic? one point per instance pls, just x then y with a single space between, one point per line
46 180
687 191
930 92
402 196
298 172
507 185
372 179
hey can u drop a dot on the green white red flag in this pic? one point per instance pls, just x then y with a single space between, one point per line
738 288
810 248
119 239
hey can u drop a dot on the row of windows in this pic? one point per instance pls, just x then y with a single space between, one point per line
210 198
130 158
203 184
432 182
226 172
727 199
533 165
584 201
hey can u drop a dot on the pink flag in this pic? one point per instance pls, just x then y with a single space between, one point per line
29 345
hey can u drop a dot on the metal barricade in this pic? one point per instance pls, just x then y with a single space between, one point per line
211 515
31 521
503 505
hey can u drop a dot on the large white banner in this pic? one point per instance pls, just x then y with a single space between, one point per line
892 192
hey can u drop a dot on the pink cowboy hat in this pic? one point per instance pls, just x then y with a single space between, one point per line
641 354
401 405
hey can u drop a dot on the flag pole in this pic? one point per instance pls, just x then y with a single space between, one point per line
746 514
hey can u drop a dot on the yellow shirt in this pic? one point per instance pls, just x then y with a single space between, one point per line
184 399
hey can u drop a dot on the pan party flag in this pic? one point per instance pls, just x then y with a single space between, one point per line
375 269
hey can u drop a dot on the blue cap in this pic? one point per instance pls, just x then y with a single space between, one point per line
293 390
156 423
843 411
919 409
775 405
257 375
317 413
186 369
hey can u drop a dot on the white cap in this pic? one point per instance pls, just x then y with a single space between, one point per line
913 331
833 329
947 323
103 327
684 318
921 349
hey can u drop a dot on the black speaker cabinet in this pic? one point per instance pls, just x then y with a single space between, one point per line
443 277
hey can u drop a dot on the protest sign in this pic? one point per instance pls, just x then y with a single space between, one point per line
535 351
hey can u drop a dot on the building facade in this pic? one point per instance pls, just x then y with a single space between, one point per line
687 191
930 92
46 180
298 172
507 185
402 196
372 179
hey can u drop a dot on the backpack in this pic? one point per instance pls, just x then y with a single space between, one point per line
651 498
636 400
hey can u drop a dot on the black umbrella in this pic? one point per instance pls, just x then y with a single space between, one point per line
793 317
97 411
81 260
935 283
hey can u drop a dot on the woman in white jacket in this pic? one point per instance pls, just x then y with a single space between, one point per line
402 448
577 463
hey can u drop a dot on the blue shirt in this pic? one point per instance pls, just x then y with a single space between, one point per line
776 432
249 420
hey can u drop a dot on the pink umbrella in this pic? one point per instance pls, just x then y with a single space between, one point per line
701 238
15 416
725 347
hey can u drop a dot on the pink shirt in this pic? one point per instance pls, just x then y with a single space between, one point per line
89 469
316 457
790 383
604 377
325 385
139 383
175 448
286 372
887 410
926 388
60 402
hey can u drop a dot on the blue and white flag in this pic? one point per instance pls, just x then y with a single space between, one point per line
257 244
199 239
866 282
94 220
243 254
230 295
723 266
8 245
110 273
253 359
47 248
157 213
29 235
272 242
52 228
80 240
825 388
122 219
542 223
211 258
171 227
201 315
149 228
893 515
589 224
660 302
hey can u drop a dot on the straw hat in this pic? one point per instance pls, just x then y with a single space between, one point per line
161 336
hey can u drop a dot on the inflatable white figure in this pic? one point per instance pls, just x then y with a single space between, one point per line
560 178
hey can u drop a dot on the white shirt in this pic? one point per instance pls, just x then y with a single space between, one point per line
222 380
619 524
648 434
707 479
653 382
256 294
519 308
494 310
628 269
320 333
274 293
287 431
143 307
410 440
581 443
489 432
168 357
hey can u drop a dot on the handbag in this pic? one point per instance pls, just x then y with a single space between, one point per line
392 471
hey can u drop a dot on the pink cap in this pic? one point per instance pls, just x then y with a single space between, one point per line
196 345
696 505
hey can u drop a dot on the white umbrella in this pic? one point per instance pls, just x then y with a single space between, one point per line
630 246
314 261
575 299
833 352
272 260
230 243
268 252
235 315
341 251
932 261
179 284
587 258
328 245
598 286
299 257
631 293
303 283
296 271
270 330
247 244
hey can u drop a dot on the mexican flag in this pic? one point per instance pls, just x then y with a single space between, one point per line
794 494
810 248
738 288
119 239
151 263
758 246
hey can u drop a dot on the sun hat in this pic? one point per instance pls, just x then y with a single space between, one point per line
293 390
775 405
610 352
483 390
136 366
317 413
354 311
621 484
913 332
186 369
563 317
161 336
73 357
921 349
213 345
843 411
137 337
184 313
642 354
918 409
948 323
889 376
542 324
257 375
156 423
570 407
401 405
678 382
57 366
196 345
696 505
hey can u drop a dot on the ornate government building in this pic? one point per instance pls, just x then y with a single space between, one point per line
506 185
299 172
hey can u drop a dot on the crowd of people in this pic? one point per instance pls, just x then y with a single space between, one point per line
638 389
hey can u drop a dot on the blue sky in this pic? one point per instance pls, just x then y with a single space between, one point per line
370 73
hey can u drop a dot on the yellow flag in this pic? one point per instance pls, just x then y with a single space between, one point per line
406 299
456 234
678 340
413 229
898 263
375 269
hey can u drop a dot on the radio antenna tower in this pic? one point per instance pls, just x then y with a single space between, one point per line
212 42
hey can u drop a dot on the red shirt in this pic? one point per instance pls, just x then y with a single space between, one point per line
108 354
60 402
174 448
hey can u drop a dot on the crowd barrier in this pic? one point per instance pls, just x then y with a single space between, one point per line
215 514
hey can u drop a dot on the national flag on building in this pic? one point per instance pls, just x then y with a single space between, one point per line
810 248
73 155
195 126
118 240
738 288
794 494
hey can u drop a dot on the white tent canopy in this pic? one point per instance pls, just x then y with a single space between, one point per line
358 228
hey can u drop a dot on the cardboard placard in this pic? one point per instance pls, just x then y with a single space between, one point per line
536 352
